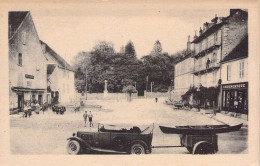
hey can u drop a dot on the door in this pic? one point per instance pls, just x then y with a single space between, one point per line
20 101
40 99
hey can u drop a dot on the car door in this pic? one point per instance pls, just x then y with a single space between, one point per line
120 141
103 140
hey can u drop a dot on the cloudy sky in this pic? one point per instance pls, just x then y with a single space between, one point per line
69 30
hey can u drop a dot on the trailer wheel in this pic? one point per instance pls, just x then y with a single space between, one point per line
189 149
203 147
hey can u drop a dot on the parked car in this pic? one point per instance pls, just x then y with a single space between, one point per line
112 139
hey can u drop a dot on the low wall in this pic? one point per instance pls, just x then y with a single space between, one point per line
156 94
102 96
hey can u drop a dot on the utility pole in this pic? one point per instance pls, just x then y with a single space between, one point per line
152 86
86 83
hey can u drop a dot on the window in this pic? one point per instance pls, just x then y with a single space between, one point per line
214 57
228 72
216 36
214 76
241 69
24 38
20 59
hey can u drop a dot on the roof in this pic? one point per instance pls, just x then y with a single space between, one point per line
57 57
212 29
186 56
240 51
217 26
15 18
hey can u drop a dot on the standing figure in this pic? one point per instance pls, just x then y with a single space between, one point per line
156 99
90 118
85 116
207 64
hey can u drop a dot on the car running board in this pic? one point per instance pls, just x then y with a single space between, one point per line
106 150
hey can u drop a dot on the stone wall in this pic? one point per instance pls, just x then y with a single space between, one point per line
234 32
102 96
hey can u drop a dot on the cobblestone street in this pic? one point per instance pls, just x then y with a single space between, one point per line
47 133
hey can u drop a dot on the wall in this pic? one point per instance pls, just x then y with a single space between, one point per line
33 61
233 32
101 96
234 72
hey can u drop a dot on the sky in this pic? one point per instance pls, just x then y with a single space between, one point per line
69 30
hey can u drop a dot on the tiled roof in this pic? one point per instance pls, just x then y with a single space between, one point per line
240 51
15 18
57 57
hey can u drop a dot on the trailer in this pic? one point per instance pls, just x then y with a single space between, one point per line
198 139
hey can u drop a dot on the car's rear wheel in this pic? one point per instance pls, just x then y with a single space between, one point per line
137 149
73 147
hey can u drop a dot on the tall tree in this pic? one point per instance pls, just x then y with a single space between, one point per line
157 48
130 49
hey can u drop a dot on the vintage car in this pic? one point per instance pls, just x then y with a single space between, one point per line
112 139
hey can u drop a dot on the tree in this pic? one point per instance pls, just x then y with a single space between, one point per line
157 48
104 47
130 49
160 70
129 90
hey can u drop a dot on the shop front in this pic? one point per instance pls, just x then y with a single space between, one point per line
235 97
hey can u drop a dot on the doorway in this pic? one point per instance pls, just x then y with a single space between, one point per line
40 99
20 102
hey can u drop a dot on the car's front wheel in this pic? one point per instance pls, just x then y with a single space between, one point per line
73 147
137 149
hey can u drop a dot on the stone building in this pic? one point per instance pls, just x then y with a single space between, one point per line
183 76
234 72
60 77
215 41
27 63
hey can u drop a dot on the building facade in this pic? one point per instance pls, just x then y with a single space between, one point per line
27 80
60 77
215 41
234 71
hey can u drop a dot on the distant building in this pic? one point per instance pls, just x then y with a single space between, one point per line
27 63
215 41
234 72
60 77
183 76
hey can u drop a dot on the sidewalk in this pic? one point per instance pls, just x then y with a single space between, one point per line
226 119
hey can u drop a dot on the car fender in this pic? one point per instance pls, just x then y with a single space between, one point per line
140 142
82 142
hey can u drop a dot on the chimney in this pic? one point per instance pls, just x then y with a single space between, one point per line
215 19
233 11
195 36
200 31
188 44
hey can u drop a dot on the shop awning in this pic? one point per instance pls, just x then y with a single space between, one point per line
23 89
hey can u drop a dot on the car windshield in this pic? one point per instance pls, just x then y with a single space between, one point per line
121 128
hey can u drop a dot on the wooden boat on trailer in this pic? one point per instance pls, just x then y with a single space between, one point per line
200 130
199 139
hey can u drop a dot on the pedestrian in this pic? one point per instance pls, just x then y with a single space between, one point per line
208 62
156 99
90 118
85 116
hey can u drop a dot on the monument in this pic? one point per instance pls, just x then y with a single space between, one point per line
105 89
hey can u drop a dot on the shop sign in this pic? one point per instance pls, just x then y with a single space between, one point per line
29 76
235 86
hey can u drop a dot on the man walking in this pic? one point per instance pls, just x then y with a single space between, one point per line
90 118
85 116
